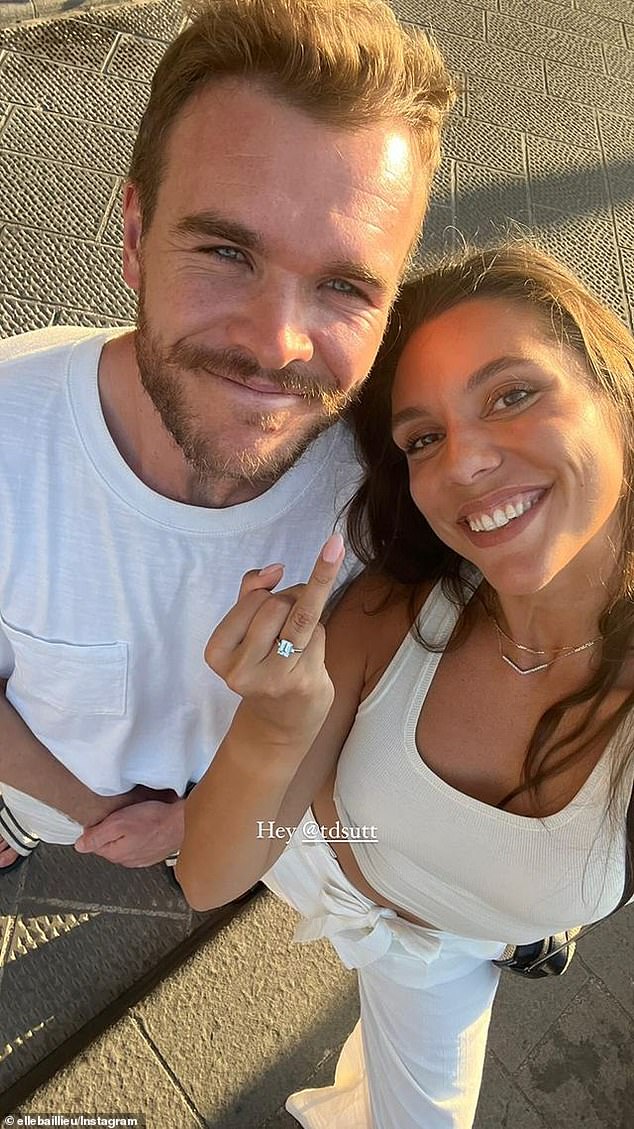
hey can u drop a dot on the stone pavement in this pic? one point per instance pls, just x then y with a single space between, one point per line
543 141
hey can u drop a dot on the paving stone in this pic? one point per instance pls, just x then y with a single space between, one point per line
587 24
615 9
589 89
539 1002
438 237
146 20
18 317
581 1073
609 953
542 116
322 1076
477 142
42 1005
617 134
48 8
620 174
263 1033
544 42
6 928
64 41
442 187
560 174
68 316
587 245
620 62
70 92
119 1074
79 275
624 220
71 140
64 875
52 197
136 58
15 11
113 231
502 1105
448 16
489 202
481 61
628 271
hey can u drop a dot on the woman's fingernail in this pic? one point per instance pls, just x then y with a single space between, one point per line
270 568
333 549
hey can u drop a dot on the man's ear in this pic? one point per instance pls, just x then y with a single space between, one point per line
132 231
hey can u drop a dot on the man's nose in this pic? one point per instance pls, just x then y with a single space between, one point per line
274 329
471 452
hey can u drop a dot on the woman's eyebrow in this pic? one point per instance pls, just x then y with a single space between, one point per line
482 374
492 368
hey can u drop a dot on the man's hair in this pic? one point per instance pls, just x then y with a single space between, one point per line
346 63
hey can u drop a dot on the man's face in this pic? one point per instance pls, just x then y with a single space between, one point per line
266 275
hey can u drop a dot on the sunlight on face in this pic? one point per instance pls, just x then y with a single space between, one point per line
513 458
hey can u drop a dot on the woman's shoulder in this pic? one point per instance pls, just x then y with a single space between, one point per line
373 599
372 617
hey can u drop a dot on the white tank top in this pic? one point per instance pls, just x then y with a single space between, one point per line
454 861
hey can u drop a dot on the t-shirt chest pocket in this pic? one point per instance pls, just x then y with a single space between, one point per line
86 679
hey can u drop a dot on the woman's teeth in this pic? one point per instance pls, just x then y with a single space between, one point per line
484 523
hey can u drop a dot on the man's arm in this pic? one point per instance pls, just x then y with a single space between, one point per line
27 765
151 829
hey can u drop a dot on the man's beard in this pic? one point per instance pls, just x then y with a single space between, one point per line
161 376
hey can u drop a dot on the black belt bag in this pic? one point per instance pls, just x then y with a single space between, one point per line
553 955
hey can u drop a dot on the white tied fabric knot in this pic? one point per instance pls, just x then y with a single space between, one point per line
360 931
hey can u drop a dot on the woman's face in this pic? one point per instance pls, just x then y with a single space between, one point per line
512 458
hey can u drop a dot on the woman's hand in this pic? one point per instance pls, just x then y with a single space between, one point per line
285 700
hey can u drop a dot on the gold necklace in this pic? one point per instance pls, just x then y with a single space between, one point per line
562 652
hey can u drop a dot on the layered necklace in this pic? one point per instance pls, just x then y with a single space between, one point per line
560 652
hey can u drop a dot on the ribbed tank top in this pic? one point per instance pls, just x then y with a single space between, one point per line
456 862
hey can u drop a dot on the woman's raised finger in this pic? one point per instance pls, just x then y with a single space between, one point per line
307 610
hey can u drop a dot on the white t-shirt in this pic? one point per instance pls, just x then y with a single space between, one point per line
109 591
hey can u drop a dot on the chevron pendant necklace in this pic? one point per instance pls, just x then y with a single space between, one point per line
562 652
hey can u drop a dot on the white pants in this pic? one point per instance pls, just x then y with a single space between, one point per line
415 1058
48 824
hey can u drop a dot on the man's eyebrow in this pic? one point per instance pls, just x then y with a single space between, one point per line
210 225
484 373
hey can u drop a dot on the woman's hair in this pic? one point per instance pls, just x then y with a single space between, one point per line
393 538
346 63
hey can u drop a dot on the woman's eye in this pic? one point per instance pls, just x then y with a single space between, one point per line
511 398
421 442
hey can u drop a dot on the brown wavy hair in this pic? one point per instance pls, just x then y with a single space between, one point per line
392 537
346 63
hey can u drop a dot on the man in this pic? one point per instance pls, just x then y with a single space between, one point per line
277 186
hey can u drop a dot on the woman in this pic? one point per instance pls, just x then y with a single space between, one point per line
483 684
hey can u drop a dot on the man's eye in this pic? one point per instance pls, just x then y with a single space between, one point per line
340 286
229 254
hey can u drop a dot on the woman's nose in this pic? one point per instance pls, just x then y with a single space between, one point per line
471 452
